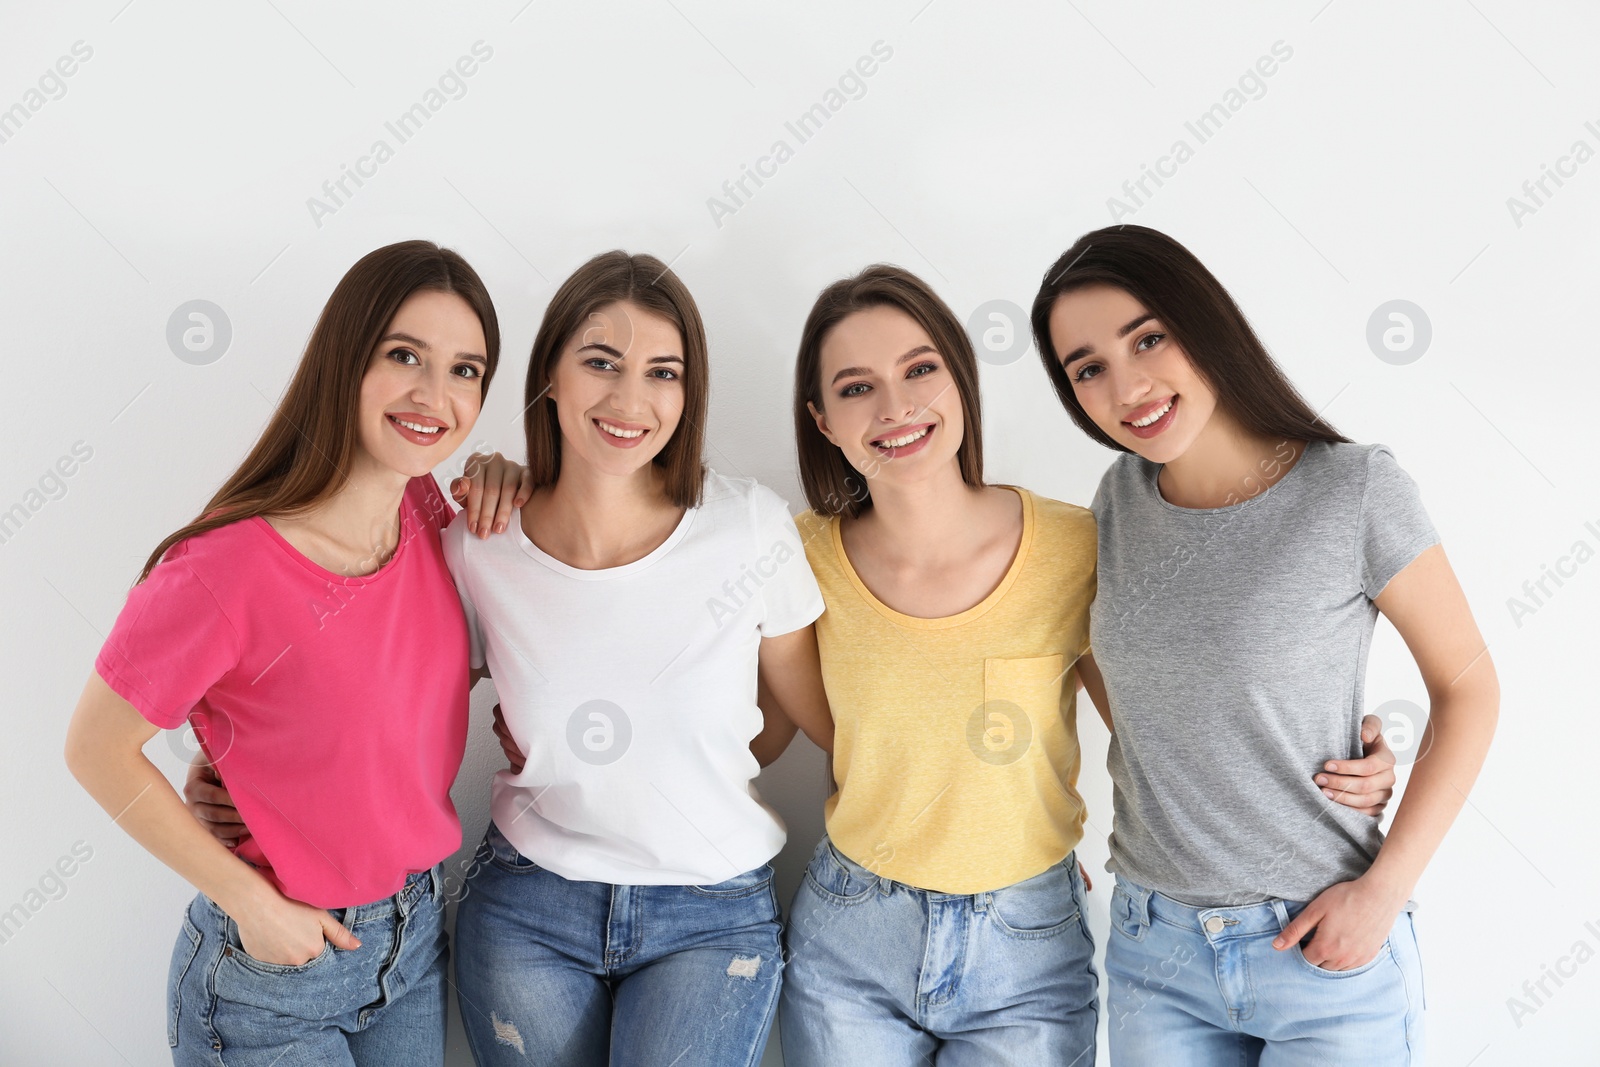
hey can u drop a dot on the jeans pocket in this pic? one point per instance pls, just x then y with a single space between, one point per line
1385 952
739 886
503 854
1039 907
836 879
183 954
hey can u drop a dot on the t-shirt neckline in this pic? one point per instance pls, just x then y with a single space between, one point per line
408 530
977 610
1155 489
644 562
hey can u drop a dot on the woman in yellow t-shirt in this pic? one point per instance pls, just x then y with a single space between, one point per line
941 918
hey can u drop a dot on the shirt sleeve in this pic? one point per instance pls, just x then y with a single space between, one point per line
1394 528
790 597
170 644
454 539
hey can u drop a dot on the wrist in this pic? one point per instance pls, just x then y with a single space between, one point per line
246 894
1392 885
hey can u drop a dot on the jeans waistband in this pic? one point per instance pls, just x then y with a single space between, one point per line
888 885
1220 921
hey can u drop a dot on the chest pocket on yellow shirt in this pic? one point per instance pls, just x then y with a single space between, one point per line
1021 698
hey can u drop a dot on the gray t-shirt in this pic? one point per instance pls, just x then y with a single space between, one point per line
1234 643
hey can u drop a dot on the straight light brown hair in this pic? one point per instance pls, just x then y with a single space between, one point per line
610 278
1196 311
303 456
831 484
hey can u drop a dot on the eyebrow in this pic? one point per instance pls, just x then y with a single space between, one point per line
614 354
1084 350
866 372
418 342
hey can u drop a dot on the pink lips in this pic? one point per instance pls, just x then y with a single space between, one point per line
904 450
421 420
1155 427
620 442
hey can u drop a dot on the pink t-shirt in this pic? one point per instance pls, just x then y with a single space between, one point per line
335 708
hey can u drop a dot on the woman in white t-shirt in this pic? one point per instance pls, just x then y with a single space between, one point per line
624 911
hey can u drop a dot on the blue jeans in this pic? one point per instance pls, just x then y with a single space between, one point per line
561 973
887 974
380 1004
1204 986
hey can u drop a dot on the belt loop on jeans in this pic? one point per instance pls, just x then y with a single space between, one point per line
1280 911
1139 898
437 883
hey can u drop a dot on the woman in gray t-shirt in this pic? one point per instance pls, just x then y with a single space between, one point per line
1246 549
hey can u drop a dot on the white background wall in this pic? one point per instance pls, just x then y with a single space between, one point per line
1376 164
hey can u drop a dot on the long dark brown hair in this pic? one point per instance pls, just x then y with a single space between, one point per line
609 278
832 486
1197 312
303 456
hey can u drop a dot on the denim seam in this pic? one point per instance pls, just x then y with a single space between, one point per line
829 896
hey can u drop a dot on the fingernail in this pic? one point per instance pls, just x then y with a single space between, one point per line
1322 779
1328 793
1331 766
499 527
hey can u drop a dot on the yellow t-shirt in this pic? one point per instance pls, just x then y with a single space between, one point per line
955 739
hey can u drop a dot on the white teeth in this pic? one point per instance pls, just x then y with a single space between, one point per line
618 432
1153 416
418 427
901 442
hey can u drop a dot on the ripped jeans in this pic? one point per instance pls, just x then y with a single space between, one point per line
561 973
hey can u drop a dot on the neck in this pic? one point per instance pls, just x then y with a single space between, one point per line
361 514
930 518
597 516
1226 465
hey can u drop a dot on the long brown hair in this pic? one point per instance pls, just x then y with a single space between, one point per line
303 456
831 484
1197 312
609 278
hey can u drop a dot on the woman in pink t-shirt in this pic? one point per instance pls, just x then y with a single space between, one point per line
305 626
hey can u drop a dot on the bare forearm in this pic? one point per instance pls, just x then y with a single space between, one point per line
1460 728
141 801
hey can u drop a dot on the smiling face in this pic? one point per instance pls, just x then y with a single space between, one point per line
889 401
423 387
617 385
1129 375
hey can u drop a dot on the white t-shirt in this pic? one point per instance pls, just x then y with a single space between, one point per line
632 690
